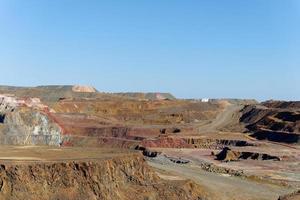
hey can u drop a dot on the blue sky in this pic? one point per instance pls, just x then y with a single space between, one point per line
192 48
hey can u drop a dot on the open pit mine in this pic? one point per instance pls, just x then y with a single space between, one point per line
75 143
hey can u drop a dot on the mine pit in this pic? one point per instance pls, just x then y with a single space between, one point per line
91 145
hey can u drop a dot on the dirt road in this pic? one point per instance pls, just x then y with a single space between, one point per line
224 118
223 186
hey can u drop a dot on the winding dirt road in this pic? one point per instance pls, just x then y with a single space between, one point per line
224 118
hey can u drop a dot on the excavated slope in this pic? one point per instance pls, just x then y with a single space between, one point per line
26 122
279 121
122 177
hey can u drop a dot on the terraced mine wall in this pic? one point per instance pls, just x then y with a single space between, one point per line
277 136
274 121
119 178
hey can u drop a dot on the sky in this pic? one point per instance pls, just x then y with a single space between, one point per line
190 48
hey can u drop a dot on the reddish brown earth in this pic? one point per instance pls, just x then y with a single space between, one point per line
180 139
130 121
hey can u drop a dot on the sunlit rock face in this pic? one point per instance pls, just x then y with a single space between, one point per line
27 122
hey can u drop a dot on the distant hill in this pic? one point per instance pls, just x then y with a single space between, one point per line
149 96
53 93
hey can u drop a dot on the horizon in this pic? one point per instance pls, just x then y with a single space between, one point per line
151 92
194 49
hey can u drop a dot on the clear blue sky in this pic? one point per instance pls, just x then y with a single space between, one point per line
200 48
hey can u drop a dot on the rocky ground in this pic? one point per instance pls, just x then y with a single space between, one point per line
73 142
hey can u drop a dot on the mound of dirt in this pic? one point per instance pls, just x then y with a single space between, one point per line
228 155
82 88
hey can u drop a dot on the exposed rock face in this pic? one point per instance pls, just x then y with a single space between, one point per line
215 143
111 179
23 122
230 155
166 142
25 126
277 121
7 103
